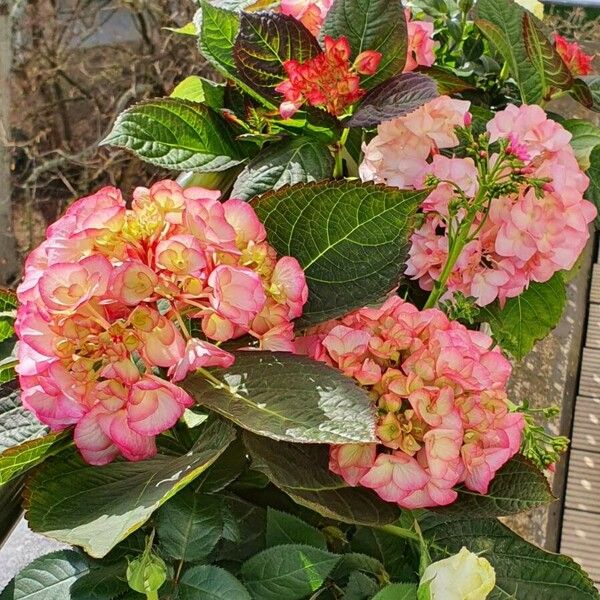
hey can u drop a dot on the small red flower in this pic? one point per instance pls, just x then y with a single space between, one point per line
576 59
328 80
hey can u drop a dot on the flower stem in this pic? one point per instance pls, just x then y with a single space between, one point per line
338 170
402 532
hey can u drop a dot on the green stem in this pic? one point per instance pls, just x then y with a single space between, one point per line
456 247
407 534
338 170
153 595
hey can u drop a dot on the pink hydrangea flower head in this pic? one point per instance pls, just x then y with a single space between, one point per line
439 393
112 295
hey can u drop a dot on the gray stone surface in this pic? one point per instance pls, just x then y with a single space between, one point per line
21 547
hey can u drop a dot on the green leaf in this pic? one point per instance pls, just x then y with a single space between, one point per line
589 89
49 577
397 591
391 551
264 42
211 583
501 22
583 94
353 561
586 136
552 70
17 424
351 239
176 134
217 36
518 486
291 572
8 313
226 469
102 582
447 82
291 161
189 525
396 97
187 29
198 89
371 25
522 569
97 507
529 317
289 529
593 191
310 483
7 365
360 587
288 397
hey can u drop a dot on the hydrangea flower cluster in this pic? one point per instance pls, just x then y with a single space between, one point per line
328 80
517 234
575 58
440 396
420 43
109 299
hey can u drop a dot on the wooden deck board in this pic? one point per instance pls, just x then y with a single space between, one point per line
581 541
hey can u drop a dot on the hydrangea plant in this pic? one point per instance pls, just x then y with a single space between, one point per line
284 375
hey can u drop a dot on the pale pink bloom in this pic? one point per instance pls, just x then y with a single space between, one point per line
278 339
181 254
241 216
420 43
199 353
395 476
132 282
164 346
311 13
65 286
237 293
288 285
352 461
155 405
205 218
434 493
344 342
93 215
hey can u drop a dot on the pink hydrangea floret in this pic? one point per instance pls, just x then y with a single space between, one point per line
441 403
114 295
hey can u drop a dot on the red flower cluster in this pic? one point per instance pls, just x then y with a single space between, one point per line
328 80
576 59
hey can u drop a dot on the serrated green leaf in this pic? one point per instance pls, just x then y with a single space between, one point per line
283 528
378 25
97 507
593 191
226 469
187 29
287 397
392 552
291 161
264 42
552 70
292 571
518 486
8 365
501 23
354 561
529 317
447 82
189 525
586 136
211 583
176 134
350 238
16 460
8 313
360 587
102 582
310 483
396 97
49 577
198 89
522 569
397 591
218 31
